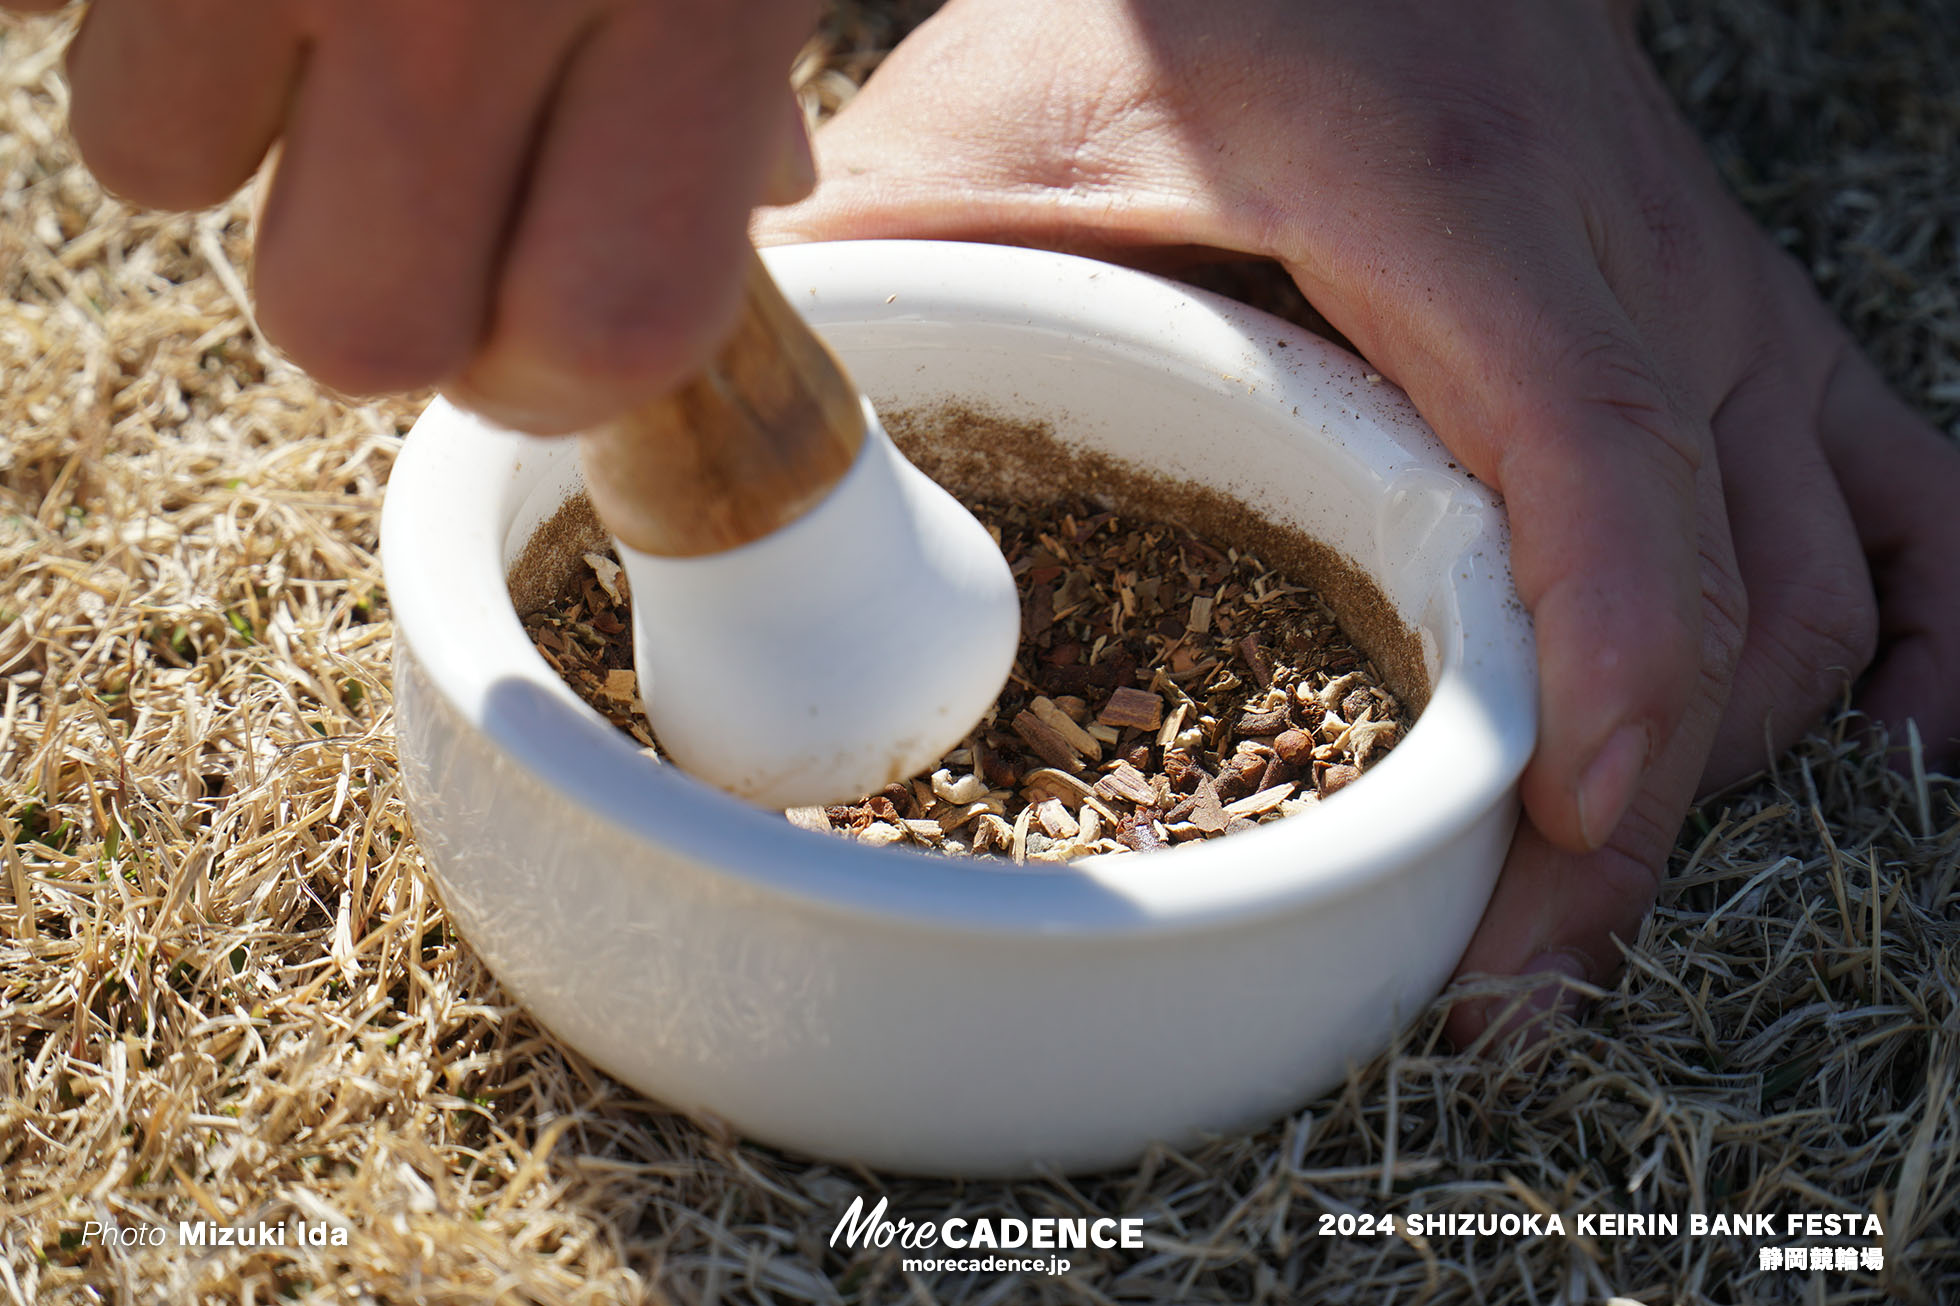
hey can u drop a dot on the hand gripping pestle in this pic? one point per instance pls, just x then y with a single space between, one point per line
813 618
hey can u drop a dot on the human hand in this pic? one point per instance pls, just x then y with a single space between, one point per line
1719 512
540 207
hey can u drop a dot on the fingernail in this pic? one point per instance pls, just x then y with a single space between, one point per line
1553 996
1558 961
1610 781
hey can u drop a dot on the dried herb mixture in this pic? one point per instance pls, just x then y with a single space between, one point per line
1165 690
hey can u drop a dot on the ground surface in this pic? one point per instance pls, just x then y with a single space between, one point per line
227 991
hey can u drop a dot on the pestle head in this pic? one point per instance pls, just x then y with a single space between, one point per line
846 650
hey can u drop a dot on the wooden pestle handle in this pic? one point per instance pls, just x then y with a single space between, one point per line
741 450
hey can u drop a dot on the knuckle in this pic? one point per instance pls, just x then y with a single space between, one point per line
1630 866
1607 374
1630 869
1725 620
1820 629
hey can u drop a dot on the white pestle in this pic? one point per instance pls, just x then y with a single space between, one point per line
813 617
848 649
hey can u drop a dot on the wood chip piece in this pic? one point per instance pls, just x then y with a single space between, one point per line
1257 660
809 818
1070 788
1138 708
1264 801
992 833
1127 783
1062 724
1045 741
949 821
1140 833
609 575
1056 819
1020 841
1200 619
1207 813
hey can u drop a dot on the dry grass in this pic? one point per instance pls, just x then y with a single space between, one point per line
226 989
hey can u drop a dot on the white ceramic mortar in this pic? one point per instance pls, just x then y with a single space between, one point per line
925 1014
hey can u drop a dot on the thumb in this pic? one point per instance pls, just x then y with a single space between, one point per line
1556 912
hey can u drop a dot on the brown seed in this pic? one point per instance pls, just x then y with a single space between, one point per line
999 771
1263 723
1240 776
1294 746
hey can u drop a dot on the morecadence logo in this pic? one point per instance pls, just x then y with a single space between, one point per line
976 1243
